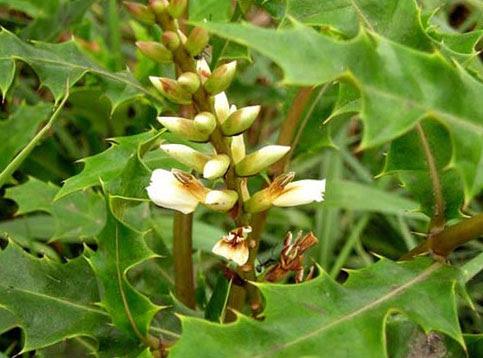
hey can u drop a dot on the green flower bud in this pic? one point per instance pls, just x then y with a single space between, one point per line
255 162
240 120
184 128
171 90
197 41
155 51
221 78
140 12
237 148
216 167
186 155
177 7
189 81
205 122
158 6
171 40
221 200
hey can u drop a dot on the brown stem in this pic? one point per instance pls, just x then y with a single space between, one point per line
438 220
291 122
182 255
445 241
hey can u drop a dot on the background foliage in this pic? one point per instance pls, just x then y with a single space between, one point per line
397 82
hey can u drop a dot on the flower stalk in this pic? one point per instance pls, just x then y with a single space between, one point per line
222 125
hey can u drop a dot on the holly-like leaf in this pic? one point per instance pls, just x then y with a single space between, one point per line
108 165
398 85
19 129
121 248
50 301
422 158
306 319
398 20
55 64
79 215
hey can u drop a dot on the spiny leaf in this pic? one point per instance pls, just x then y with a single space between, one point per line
57 63
20 128
306 319
79 215
398 85
120 249
50 301
397 20
105 166
422 159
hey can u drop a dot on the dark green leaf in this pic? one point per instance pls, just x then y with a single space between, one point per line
120 249
17 131
79 215
56 64
408 157
307 319
394 19
50 301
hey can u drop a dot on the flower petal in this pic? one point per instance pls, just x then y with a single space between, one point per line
301 192
237 253
164 190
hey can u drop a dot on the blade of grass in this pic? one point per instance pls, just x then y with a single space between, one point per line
346 250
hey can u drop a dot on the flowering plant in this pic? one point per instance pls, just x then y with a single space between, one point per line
220 178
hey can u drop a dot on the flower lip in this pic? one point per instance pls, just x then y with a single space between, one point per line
234 245
166 191
301 192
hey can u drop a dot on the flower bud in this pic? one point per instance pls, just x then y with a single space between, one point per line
237 148
170 39
203 70
177 7
240 120
158 6
255 162
140 12
222 107
186 155
205 122
216 167
221 200
221 78
197 41
171 90
155 51
189 81
184 128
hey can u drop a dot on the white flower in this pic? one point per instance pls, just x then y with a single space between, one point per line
234 246
175 190
301 192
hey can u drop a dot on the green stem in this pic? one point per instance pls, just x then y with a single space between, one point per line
182 255
18 160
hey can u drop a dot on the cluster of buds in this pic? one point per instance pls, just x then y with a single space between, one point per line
292 258
214 121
